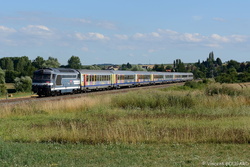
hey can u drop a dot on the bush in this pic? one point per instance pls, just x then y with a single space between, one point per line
23 84
197 85
153 100
2 89
217 89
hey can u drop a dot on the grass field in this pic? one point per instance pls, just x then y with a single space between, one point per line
177 126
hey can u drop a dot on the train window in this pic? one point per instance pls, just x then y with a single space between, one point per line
59 80
68 76
44 76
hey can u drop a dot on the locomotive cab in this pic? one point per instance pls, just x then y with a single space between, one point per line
55 81
42 82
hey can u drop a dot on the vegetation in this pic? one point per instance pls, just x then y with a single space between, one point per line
216 114
23 84
180 126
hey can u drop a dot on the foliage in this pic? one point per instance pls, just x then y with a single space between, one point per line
23 84
74 62
137 68
94 67
221 89
127 66
229 72
3 90
2 76
186 116
2 82
179 66
39 62
159 68
52 63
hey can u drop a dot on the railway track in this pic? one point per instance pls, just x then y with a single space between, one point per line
16 101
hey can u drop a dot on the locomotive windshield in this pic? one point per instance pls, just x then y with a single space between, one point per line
42 77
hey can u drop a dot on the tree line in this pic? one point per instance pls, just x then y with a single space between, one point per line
19 70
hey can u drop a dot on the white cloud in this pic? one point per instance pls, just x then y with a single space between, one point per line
85 49
121 37
107 25
139 36
85 21
192 37
37 30
239 38
6 29
168 32
155 34
219 19
197 18
91 36
220 38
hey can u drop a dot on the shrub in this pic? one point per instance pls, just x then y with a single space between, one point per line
2 89
23 84
218 89
153 100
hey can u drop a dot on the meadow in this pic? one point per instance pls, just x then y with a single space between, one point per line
191 125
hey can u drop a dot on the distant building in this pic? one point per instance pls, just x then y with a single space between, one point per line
147 66
114 67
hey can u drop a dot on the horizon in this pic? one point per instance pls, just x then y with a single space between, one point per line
140 32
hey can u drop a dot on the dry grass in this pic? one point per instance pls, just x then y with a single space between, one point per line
137 117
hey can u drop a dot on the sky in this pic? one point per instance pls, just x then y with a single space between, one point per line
134 31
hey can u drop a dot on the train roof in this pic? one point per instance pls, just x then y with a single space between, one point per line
142 72
123 72
55 70
100 72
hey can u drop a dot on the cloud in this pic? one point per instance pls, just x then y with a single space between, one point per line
239 38
220 38
219 19
91 36
192 37
155 34
85 49
85 21
107 25
121 37
4 29
197 18
37 30
139 36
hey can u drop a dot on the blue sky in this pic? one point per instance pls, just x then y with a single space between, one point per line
135 31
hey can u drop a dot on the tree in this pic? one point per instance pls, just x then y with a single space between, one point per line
2 76
94 67
219 62
233 63
2 82
11 75
74 62
39 62
137 68
6 63
211 56
129 65
52 62
23 84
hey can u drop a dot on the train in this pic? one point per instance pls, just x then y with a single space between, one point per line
58 81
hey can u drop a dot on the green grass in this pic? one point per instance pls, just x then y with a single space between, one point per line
54 154
167 127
